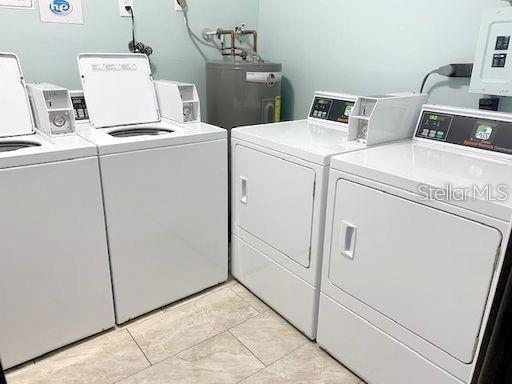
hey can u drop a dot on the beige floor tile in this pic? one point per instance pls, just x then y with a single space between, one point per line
307 365
107 359
222 286
184 326
221 360
141 319
245 294
269 337
200 295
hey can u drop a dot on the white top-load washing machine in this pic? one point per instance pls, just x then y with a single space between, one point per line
416 234
54 271
279 190
164 188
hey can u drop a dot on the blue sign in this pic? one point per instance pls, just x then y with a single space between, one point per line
61 7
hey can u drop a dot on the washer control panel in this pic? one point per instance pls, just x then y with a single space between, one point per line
466 130
331 109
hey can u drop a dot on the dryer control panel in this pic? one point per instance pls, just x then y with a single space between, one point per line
331 109
467 129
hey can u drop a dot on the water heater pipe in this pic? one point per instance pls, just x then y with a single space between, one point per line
255 39
233 48
231 33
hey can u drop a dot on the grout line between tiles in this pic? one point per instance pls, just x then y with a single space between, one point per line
252 306
132 374
245 321
171 357
205 340
197 296
249 349
278 360
138 346
158 312
162 310
192 346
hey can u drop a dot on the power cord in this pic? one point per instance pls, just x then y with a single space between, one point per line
134 46
450 70
130 9
184 7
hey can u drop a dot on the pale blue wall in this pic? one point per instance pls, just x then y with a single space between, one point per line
371 46
48 51
355 46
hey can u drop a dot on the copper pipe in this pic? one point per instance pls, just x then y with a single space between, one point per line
231 33
254 38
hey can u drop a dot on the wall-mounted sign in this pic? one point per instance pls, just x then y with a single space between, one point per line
21 4
61 11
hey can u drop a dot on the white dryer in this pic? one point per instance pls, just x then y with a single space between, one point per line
54 272
416 234
279 190
164 187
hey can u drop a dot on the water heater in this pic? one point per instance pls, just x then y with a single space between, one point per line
241 93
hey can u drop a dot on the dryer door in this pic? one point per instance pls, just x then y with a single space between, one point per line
425 269
274 201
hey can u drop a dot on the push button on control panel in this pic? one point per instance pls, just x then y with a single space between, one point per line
435 126
502 43
499 60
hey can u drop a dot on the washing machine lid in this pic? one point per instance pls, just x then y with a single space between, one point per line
118 89
15 112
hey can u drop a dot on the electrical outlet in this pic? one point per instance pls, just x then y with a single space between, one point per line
177 6
122 8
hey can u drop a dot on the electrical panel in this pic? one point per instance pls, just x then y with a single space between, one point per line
492 72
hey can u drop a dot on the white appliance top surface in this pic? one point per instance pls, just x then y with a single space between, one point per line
310 141
182 134
418 166
118 89
67 147
15 113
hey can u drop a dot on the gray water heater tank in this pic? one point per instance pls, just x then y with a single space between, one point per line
241 93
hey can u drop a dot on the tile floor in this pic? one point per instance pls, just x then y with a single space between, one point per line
224 335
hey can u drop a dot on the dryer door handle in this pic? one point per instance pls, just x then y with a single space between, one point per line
348 239
243 190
